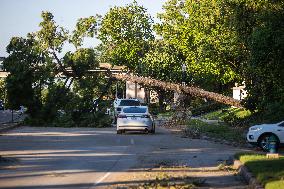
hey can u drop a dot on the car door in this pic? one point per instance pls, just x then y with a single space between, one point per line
280 131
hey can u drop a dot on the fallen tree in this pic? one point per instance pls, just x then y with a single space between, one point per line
193 91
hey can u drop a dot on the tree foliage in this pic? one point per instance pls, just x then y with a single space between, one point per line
220 42
2 89
125 32
25 64
162 62
36 66
259 25
200 32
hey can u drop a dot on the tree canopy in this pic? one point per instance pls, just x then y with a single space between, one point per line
221 42
201 33
38 68
125 32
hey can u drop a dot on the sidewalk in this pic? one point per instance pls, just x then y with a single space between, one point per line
8 126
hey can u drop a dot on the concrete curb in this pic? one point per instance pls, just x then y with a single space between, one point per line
9 126
248 176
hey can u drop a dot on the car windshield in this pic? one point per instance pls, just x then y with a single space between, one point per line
135 110
129 103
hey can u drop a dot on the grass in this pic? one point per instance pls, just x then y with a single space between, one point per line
218 130
222 114
269 172
216 115
166 114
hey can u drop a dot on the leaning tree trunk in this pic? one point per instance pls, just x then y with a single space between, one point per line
193 91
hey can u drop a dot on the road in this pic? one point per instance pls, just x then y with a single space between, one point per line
99 158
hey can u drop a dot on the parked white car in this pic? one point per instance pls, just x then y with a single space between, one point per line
259 134
135 118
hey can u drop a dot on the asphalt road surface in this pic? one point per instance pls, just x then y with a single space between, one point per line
48 158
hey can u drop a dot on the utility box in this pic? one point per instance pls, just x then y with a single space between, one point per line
239 92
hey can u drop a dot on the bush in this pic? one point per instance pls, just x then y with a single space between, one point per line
102 120
274 112
155 109
99 119
64 120
237 117
34 121
207 107
197 128
75 119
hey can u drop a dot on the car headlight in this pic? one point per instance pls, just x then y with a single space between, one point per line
256 128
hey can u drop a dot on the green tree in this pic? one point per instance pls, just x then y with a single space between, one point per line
162 62
36 62
3 89
200 31
259 25
125 32
24 81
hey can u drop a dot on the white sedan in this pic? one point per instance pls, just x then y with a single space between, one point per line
135 118
259 134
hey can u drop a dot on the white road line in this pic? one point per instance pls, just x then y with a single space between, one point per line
109 171
102 179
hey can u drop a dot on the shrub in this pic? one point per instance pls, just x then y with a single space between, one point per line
207 107
274 112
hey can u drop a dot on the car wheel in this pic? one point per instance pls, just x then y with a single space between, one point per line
263 142
119 132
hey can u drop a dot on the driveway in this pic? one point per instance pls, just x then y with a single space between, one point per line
40 157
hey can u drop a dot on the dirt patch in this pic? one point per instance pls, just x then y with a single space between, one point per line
180 177
194 133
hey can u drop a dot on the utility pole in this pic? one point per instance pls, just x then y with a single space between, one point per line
116 90
12 116
135 89
183 69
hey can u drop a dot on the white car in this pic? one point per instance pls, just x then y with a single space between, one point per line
120 103
259 134
135 118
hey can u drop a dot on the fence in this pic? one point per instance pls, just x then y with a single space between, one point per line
11 116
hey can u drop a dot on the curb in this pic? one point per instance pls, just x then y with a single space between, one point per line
10 126
248 176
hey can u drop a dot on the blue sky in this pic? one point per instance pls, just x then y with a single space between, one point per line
18 17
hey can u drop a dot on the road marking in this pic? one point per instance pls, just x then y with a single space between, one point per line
132 141
109 171
102 179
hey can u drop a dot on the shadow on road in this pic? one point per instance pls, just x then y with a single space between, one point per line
81 157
